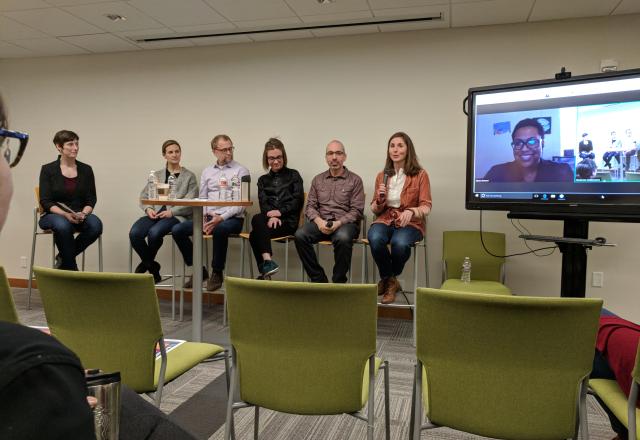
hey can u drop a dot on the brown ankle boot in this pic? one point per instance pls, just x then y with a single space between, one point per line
382 286
393 286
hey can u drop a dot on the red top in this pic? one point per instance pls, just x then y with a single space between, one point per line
70 184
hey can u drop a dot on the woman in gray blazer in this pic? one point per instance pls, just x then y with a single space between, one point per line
159 220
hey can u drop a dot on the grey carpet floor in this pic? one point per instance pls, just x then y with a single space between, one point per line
197 399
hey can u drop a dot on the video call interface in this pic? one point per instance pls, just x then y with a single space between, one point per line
567 142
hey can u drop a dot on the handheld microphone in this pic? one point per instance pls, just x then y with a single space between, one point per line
385 179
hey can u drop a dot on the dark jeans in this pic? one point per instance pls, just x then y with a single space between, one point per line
342 240
391 263
610 155
182 231
63 234
154 231
261 235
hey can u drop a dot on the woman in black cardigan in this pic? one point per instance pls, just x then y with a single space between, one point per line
281 196
67 196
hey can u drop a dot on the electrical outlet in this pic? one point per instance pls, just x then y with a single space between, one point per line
23 262
597 279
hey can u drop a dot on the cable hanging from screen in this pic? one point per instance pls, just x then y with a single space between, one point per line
531 251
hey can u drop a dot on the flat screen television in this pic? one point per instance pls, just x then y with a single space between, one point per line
557 148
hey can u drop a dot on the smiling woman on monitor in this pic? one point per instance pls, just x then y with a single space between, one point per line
528 166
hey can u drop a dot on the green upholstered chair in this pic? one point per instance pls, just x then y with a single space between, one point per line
624 409
504 366
7 306
112 322
487 271
304 348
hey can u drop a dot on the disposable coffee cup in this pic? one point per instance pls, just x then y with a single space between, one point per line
163 191
105 387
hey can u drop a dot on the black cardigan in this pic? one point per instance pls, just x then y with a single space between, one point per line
52 187
282 191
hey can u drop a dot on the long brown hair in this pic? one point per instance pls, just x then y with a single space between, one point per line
411 164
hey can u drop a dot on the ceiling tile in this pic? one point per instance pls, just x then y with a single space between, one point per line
100 43
490 12
228 39
312 7
555 10
291 35
205 28
628 7
235 10
274 22
388 4
53 21
50 47
18 5
12 30
8 50
151 33
332 32
96 14
344 17
179 12
414 12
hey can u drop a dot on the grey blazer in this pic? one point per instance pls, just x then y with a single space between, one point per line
186 188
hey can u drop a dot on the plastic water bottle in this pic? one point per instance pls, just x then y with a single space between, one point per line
153 186
172 187
224 186
235 188
466 270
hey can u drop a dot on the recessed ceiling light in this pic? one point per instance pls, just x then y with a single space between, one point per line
326 2
116 17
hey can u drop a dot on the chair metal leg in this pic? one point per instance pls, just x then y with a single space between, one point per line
33 256
417 406
229 425
173 280
631 409
184 269
372 386
100 257
387 409
426 264
415 292
83 259
242 258
256 422
286 259
582 413
130 258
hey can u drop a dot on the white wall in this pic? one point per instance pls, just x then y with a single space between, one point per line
358 89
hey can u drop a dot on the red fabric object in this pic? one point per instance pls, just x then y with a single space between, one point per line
618 341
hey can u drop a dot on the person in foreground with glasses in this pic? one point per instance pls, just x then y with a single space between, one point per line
159 220
401 203
528 165
281 196
67 197
219 221
335 206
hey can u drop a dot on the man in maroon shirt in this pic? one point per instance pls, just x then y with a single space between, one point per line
335 205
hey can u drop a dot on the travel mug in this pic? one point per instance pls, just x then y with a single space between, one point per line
105 387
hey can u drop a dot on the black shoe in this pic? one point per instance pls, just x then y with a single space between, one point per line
140 268
58 262
154 269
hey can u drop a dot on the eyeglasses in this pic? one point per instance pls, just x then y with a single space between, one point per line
533 143
335 153
13 146
226 150
274 158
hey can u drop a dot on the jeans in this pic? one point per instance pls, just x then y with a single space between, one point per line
391 264
182 231
153 231
342 240
261 235
63 235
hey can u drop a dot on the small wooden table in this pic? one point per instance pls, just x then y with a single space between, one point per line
197 249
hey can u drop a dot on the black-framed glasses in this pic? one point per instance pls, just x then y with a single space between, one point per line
274 158
532 143
13 146
226 150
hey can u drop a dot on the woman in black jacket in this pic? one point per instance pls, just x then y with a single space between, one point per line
281 197
68 196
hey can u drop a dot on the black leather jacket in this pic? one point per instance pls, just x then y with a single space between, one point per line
283 191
